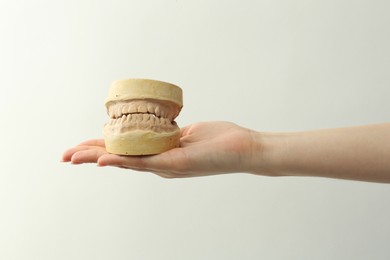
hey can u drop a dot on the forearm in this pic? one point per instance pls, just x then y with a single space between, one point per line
358 153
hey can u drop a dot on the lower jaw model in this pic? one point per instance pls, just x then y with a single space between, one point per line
142 114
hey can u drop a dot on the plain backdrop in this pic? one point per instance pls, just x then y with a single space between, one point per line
271 65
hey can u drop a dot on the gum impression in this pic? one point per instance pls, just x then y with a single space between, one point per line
149 115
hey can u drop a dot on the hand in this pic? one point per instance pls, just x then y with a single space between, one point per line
205 149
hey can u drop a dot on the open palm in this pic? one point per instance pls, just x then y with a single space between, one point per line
205 149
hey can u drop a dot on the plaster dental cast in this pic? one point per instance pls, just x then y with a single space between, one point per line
142 116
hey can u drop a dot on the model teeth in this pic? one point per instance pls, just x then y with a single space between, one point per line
159 109
150 108
123 119
142 109
137 118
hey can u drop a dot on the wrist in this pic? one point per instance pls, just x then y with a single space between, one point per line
267 151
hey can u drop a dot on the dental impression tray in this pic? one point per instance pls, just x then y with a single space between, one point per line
142 114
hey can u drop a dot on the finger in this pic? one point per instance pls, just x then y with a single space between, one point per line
184 130
132 162
93 142
87 156
124 162
66 157
172 160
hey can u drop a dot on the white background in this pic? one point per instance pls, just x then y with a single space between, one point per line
274 65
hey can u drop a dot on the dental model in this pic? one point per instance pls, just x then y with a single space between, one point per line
142 116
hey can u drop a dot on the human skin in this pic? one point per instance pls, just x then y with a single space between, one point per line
209 148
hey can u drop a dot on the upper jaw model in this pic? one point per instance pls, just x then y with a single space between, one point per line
142 114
